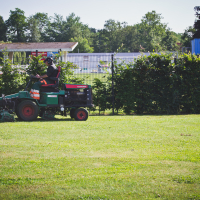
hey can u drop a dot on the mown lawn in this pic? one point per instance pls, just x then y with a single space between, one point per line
106 157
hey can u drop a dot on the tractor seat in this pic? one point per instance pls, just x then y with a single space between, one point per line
52 87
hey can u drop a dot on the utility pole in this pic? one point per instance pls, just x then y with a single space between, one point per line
113 98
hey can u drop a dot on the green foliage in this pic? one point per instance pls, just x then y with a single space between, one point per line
17 26
12 79
61 30
148 35
153 84
3 29
187 36
188 83
36 66
99 94
19 58
43 22
34 30
1 53
23 57
83 45
146 86
16 58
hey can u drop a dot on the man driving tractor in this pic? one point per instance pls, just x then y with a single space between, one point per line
52 71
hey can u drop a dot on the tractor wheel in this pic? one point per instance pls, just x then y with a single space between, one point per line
72 111
81 114
28 110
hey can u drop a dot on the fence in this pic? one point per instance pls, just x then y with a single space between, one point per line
97 65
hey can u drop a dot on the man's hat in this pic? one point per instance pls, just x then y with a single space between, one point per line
49 60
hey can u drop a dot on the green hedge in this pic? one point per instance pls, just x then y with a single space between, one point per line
154 84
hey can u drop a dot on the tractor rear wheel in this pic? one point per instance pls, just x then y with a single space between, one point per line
81 114
27 110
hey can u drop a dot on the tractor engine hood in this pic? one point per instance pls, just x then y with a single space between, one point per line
21 94
5 100
16 95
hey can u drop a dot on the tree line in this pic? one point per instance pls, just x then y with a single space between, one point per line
148 35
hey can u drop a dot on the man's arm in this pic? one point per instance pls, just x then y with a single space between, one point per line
43 76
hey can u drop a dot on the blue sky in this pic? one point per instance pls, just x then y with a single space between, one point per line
177 14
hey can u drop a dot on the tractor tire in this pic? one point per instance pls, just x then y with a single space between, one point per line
72 111
81 114
27 110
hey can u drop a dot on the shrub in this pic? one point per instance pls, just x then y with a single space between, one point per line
12 79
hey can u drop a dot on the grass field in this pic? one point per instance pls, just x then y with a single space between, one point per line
105 157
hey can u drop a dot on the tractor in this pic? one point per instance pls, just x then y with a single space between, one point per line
72 97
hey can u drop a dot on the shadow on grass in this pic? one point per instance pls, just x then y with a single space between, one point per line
50 120
138 115
95 115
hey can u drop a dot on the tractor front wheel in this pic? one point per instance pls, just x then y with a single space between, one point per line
81 114
27 110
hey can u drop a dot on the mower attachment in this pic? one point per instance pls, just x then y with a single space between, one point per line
5 116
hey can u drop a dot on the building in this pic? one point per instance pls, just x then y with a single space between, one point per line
38 48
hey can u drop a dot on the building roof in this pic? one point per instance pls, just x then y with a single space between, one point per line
41 46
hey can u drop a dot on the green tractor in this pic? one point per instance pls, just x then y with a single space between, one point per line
72 97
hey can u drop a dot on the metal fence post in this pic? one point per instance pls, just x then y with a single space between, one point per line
113 100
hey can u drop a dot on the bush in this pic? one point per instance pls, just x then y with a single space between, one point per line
188 82
154 84
12 79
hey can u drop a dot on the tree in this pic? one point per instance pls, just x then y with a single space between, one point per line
43 22
75 28
34 31
17 26
19 58
149 35
83 45
100 41
131 42
170 41
3 29
110 38
151 32
197 23
187 36
11 80
61 30
99 94
113 32
55 30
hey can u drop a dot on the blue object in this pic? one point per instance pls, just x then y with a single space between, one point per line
195 46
